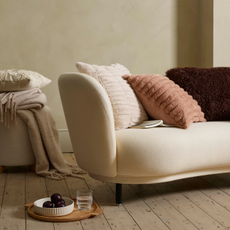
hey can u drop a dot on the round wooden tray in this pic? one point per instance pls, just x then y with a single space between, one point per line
75 215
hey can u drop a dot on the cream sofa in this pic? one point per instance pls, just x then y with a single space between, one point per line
137 156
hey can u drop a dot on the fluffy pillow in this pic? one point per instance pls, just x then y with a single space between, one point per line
210 87
127 109
164 100
16 80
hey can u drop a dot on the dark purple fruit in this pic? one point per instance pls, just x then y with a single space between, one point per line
62 201
59 204
48 204
56 197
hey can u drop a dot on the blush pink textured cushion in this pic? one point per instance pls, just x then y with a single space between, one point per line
127 109
164 100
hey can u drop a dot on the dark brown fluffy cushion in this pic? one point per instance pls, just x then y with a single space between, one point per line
210 87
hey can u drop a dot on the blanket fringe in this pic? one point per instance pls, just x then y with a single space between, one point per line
75 168
8 109
56 176
75 172
1 111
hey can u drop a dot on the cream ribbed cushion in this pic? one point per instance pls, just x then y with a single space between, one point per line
127 109
16 80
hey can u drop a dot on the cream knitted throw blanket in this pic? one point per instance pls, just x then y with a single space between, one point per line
30 105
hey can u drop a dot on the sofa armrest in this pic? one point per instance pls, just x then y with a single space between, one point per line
90 121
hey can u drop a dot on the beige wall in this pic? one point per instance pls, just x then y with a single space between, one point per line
150 36
221 33
195 33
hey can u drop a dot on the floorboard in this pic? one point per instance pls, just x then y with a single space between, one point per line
191 211
207 205
13 212
139 210
36 189
189 204
168 214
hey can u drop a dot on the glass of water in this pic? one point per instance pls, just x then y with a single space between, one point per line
84 199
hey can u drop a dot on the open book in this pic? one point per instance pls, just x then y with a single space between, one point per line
149 124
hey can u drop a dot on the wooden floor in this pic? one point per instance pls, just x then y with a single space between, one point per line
196 203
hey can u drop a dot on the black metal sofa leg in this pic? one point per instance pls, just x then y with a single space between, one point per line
119 194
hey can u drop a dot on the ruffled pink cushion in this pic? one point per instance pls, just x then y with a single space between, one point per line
164 100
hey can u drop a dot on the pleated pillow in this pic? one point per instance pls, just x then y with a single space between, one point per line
127 109
164 100
18 80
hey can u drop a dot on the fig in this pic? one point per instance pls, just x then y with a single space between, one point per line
62 201
48 204
56 197
59 204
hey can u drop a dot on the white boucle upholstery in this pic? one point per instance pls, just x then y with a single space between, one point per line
90 122
168 150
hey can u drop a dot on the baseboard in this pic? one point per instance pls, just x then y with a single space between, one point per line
65 142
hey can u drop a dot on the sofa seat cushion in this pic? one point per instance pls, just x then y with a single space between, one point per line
163 151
